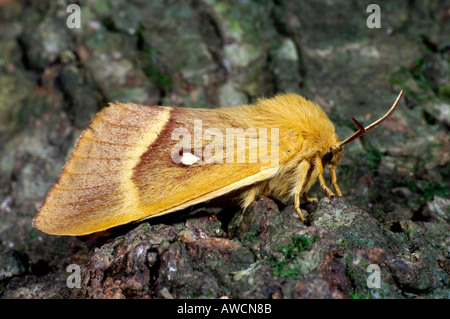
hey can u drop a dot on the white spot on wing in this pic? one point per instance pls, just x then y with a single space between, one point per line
189 159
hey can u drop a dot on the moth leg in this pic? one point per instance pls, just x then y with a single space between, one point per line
322 180
248 197
333 181
309 199
302 173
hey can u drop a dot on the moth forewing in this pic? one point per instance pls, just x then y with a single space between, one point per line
109 180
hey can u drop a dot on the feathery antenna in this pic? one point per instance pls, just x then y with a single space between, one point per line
362 130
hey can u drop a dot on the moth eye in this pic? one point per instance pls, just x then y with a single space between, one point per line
327 157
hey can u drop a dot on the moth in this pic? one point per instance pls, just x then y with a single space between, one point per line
134 162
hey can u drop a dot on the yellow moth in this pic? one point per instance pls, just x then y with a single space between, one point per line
134 162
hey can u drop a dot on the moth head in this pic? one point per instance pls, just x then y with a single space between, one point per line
362 130
333 156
